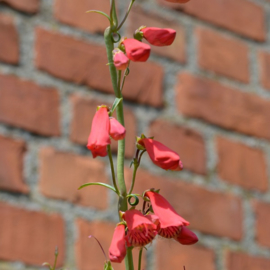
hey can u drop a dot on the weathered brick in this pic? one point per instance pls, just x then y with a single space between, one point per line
207 211
28 6
237 260
230 14
11 165
176 51
223 55
72 60
188 143
223 106
25 104
83 113
9 46
262 210
74 14
172 255
88 254
63 173
242 165
264 61
30 236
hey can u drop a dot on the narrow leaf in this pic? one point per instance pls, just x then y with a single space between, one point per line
98 184
116 103
100 12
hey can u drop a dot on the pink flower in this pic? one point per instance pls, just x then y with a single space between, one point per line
117 131
120 60
159 36
170 223
186 237
161 155
141 231
99 136
136 50
117 250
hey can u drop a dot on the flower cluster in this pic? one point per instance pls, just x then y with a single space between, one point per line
138 230
135 50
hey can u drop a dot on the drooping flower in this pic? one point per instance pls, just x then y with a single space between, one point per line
117 250
136 51
159 36
99 136
170 223
141 231
161 155
120 60
186 237
117 131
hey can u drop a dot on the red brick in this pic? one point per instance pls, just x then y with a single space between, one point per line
72 60
264 61
223 106
74 14
242 165
9 46
188 143
237 260
63 173
242 17
262 211
11 165
177 51
30 236
223 55
88 254
25 104
83 113
28 6
207 211
172 255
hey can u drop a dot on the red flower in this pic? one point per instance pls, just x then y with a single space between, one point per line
161 155
141 231
186 237
136 50
159 36
99 136
120 60
117 131
170 222
117 250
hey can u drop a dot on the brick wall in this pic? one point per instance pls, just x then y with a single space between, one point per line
207 97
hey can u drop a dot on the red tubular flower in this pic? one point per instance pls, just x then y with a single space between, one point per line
186 237
161 155
170 222
141 231
120 60
136 51
117 250
117 131
159 36
99 136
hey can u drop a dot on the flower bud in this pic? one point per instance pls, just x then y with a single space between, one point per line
120 60
117 131
159 36
186 237
136 50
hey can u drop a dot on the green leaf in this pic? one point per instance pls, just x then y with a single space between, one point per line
116 103
98 184
108 266
100 12
113 15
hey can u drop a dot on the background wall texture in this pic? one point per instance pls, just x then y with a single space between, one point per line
206 96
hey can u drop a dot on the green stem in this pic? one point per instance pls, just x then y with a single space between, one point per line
124 78
129 260
136 166
140 259
112 167
123 21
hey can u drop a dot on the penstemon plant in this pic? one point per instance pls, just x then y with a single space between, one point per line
136 228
